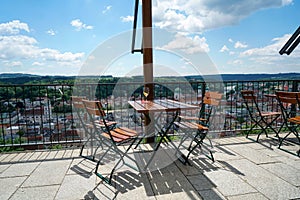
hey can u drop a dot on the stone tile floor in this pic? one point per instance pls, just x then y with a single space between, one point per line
243 170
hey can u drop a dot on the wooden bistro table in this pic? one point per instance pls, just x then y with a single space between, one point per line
159 106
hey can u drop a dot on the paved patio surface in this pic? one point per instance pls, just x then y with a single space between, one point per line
243 170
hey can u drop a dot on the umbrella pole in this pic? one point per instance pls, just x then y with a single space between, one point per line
147 46
148 60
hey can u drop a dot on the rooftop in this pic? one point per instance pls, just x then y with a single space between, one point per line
243 170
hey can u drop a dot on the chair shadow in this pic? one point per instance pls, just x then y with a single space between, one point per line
90 196
127 181
201 160
291 145
171 180
230 168
224 150
268 142
109 157
121 183
271 142
84 168
168 180
205 164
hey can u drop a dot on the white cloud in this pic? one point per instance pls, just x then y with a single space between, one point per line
224 48
16 49
79 25
13 27
51 32
38 64
287 2
25 47
106 9
55 55
269 50
127 19
197 16
230 40
190 45
268 59
238 44
13 63
237 62
17 46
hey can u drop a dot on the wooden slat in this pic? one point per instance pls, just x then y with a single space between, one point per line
288 97
116 139
94 107
265 114
295 120
116 133
77 102
127 133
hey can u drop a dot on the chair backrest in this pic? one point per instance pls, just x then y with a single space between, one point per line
288 101
210 101
77 102
94 108
288 97
78 107
251 102
212 98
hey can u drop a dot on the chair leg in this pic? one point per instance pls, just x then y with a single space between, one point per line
199 143
108 181
193 148
258 135
251 129
195 138
122 155
139 142
91 158
212 156
283 139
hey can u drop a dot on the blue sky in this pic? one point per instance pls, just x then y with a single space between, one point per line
57 37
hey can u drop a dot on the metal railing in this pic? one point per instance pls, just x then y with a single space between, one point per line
40 116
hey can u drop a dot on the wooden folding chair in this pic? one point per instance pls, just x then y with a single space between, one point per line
260 118
200 124
79 109
88 127
290 106
111 138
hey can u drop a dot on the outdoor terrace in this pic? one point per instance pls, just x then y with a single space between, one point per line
40 118
243 170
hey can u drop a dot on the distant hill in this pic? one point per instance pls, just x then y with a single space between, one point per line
248 77
16 75
253 77
19 78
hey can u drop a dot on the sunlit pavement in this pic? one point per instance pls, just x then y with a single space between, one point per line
243 170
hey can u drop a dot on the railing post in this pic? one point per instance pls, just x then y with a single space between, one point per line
295 86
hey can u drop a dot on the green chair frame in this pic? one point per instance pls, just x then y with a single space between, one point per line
260 118
290 107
